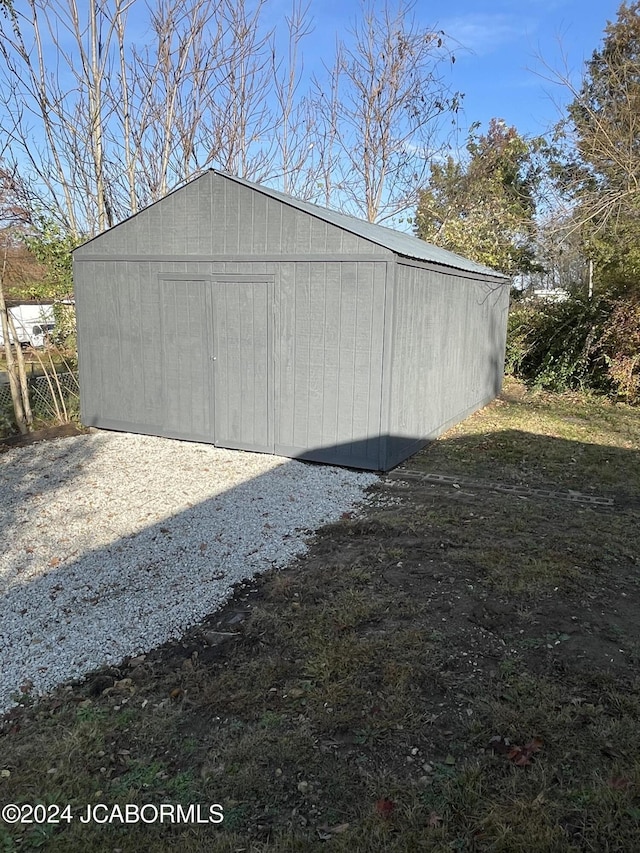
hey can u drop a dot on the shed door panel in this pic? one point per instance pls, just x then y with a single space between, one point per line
183 358
243 364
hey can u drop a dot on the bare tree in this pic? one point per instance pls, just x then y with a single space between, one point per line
560 254
114 126
389 100
163 102
243 83
329 138
294 119
599 160
59 118
12 211
110 127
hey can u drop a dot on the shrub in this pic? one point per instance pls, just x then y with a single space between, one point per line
585 344
621 342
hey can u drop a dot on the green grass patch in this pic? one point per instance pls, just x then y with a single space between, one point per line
537 438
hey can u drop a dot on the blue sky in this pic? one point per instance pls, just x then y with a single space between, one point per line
501 49
503 44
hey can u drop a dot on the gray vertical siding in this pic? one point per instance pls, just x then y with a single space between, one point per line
183 357
109 341
148 336
329 320
243 367
298 355
216 216
448 353
140 344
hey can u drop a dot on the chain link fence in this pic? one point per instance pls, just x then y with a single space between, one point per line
51 396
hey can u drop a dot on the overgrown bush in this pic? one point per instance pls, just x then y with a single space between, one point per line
64 335
586 344
621 342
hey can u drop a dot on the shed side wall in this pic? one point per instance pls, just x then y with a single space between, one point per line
447 358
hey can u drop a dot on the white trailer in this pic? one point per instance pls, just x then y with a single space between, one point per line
34 324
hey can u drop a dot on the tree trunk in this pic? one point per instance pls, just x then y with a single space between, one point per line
14 385
21 375
15 367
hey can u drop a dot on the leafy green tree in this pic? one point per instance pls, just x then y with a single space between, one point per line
485 208
593 340
599 166
51 245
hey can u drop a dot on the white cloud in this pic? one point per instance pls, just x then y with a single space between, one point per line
482 34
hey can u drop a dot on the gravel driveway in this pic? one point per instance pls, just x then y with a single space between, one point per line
113 543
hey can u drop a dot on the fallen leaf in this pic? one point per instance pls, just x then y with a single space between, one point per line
518 756
620 783
176 693
521 756
385 808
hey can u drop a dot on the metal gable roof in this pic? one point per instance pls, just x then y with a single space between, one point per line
406 245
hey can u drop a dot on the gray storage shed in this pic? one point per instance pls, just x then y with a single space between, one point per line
233 314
